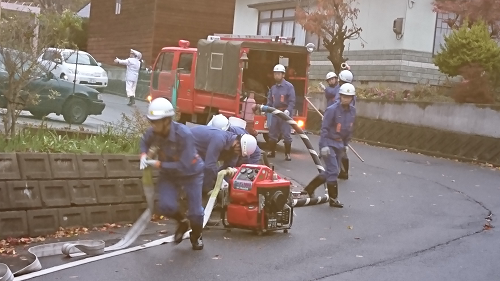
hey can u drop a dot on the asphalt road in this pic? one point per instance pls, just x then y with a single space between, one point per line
406 217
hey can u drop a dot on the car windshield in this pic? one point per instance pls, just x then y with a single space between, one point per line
82 58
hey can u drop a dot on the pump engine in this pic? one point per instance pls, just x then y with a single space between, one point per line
259 200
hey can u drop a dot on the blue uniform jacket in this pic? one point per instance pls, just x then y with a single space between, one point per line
282 96
331 94
337 126
214 144
254 158
177 152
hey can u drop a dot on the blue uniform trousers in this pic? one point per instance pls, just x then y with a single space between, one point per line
333 164
280 127
169 194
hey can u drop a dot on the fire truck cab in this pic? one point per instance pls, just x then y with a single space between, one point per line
218 75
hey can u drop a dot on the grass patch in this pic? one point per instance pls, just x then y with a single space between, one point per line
121 137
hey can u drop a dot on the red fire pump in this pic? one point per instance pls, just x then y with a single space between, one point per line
257 199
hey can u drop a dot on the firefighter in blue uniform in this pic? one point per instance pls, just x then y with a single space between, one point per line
221 122
345 76
215 145
336 132
332 90
281 96
180 166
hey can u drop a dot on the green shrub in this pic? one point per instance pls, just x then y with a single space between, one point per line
467 46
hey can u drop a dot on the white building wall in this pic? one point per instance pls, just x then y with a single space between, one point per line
376 18
246 19
383 58
420 26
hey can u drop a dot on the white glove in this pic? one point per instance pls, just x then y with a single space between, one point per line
117 60
143 164
287 112
153 163
325 151
346 149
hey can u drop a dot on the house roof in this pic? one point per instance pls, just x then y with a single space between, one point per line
84 12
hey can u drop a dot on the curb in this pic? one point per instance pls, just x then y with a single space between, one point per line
121 95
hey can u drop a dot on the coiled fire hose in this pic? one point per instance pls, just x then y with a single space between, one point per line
95 249
307 143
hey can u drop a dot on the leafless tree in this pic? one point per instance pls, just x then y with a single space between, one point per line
19 65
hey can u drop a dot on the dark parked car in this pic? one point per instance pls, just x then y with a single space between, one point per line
74 102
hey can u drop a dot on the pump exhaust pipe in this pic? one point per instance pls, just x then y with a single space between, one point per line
344 65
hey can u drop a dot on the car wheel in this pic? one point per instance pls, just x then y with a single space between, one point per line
75 111
38 114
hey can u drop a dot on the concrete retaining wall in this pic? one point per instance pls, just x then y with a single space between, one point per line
41 192
471 119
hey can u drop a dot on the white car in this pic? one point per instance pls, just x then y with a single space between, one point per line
73 66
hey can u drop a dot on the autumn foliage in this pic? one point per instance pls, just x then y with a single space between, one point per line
477 87
473 10
333 21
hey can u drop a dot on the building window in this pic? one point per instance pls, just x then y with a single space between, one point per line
118 7
442 29
281 23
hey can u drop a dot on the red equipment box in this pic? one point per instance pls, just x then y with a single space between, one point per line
259 200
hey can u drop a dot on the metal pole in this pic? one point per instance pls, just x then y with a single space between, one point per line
350 147
76 70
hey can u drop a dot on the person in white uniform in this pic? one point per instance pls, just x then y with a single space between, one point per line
133 64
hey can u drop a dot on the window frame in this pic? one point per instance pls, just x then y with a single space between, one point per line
271 20
439 20
186 56
118 7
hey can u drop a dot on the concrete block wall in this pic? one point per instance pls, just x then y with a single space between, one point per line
393 66
40 192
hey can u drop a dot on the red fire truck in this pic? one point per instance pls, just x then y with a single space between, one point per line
217 76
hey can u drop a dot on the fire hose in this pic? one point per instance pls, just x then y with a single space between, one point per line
95 249
307 143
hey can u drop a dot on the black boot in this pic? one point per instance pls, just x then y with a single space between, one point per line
196 237
344 174
131 101
182 227
272 149
333 191
288 149
311 187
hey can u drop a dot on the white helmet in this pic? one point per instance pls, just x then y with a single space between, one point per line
160 108
330 75
347 89
248 144
346 76
220 122
279 68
